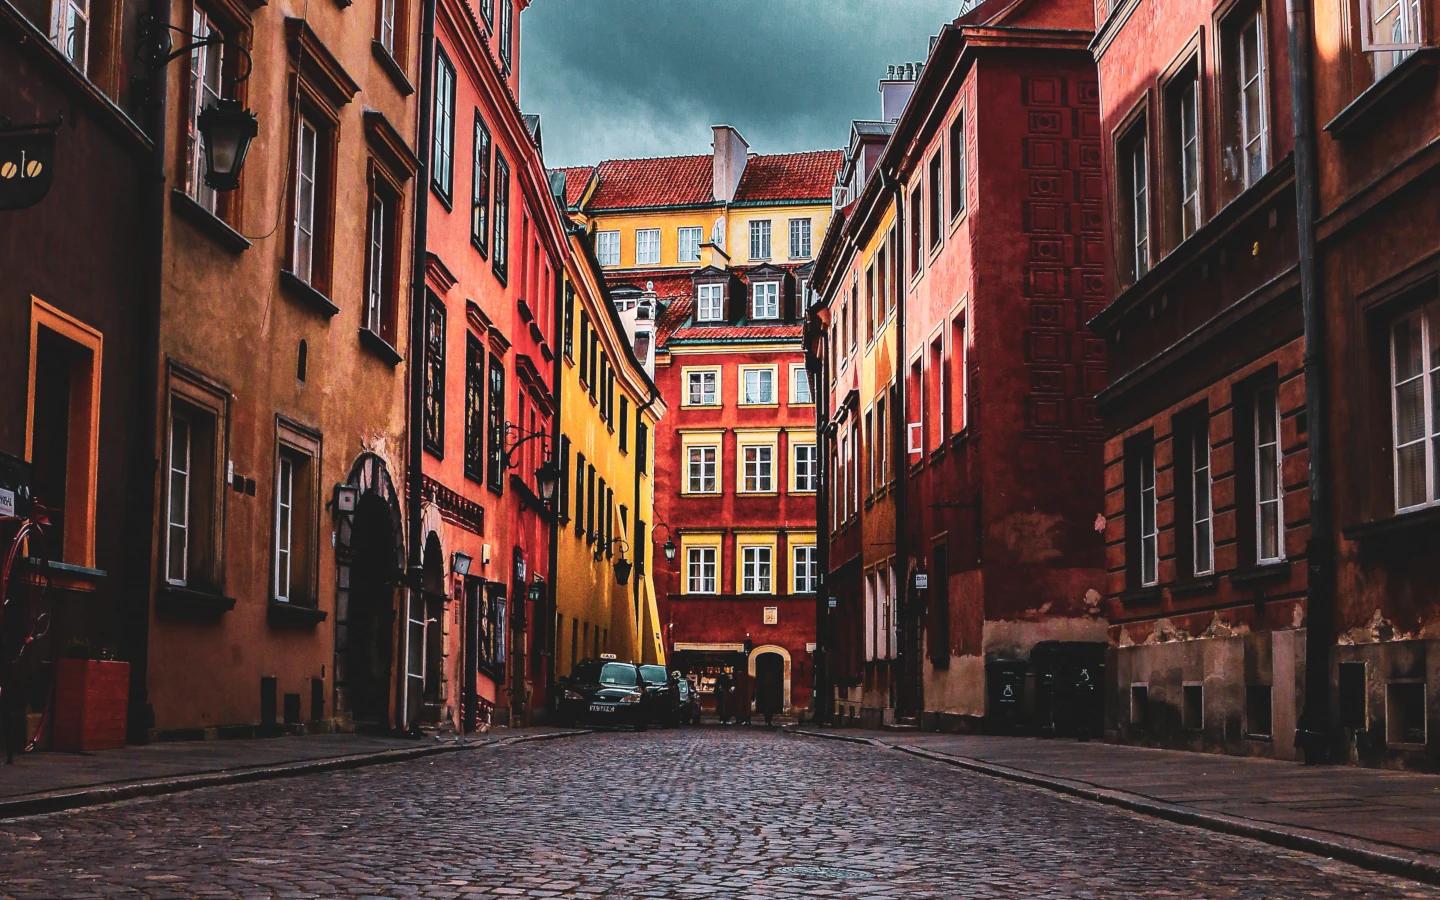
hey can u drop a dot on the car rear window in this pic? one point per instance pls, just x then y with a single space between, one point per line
654 674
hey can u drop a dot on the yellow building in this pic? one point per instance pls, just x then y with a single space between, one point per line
609 407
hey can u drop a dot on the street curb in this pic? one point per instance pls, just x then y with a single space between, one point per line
1357 852
60 801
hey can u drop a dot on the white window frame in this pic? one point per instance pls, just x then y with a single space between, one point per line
1422 322
1139 154
708 380
178 551
284 528
757 468
805 473
443 174
872 617
387 25
765 303
1267 409
1201 485
307 161
1189 157
701 575
757 569
375 281
1252 73
607 247
1149 529
761 396
688 239
760 239
805 569
63 31
207 86
801 245
800 376
702 469
1411 32
710 303
647 247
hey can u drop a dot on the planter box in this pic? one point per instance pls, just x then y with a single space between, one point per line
91 700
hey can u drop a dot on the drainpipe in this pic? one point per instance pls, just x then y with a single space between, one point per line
1314 731
642 452
141 574
551 581
900 404
821 701
414 474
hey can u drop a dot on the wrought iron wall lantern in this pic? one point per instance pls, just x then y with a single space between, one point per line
226 127
623 566
668 548
27 161
548 475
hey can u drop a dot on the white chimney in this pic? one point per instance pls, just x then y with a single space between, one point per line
895 90
731 153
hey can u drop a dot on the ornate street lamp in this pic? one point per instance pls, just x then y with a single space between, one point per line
226 130
668 548
547 477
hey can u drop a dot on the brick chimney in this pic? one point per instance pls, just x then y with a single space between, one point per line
731 152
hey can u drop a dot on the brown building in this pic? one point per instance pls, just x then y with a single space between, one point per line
282 377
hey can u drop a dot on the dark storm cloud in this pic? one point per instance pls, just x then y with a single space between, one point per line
623 78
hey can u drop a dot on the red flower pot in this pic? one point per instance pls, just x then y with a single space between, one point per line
91 699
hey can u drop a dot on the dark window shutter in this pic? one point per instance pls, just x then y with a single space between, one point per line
787 298
739 301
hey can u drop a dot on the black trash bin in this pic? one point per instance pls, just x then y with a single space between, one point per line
1068 679
1005 684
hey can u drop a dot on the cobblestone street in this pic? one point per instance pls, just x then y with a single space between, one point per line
694 813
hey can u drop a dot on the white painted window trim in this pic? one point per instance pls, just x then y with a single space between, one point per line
1149 528
643 256
607 247
1267 407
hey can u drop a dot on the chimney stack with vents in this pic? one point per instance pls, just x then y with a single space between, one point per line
731 153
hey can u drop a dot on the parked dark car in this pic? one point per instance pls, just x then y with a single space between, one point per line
664 695
603 692
689 700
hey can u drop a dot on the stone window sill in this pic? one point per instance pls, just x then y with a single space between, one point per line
215 228
380 347
283 613
392 68
1404 524
1358 118
308 294
1260 573
187 603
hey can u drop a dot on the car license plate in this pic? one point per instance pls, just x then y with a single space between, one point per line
596 707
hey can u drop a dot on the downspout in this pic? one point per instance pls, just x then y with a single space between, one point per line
1314 731
641 548
415 453
821 701
145 459
552 590
902 459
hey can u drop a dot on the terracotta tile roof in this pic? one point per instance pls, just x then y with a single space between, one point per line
738 332
675 314
790 176
576 177
663 181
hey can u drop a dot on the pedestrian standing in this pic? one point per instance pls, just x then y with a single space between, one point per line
722 696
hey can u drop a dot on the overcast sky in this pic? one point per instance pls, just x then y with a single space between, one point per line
628 78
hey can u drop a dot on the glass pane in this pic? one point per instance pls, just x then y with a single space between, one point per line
1410 412
1270 531
1202 547
177 553
1409 356
1267 486
1410 475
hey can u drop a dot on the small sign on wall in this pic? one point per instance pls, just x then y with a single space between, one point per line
772 615
922 581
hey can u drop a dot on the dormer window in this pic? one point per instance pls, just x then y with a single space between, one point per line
765 303
710 306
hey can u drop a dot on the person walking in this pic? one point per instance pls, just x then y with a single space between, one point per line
723 688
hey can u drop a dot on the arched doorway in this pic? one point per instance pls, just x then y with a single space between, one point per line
770 669
370 558
431 631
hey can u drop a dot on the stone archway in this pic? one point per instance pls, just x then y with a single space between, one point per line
369 565
784 655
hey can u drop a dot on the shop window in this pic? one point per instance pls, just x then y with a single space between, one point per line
1354 712
1257 710
1405 712
296 520
1192 711
63 429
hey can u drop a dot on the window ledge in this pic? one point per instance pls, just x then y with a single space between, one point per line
392 67
214 227
283 613
1357 119
308 294
54 565
1194 586
380 347
1400 524
1263 572
1140 596
187 603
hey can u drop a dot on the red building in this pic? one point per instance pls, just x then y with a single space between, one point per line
494 241
723 243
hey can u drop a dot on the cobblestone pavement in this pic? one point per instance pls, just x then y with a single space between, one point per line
694 813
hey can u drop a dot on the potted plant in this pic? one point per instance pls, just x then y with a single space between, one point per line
92 695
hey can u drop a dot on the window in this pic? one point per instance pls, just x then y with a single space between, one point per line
580 505
872 317
1242 50
1183 114
760 239
284 526
1202 536
1149 533
647 247
590 511
702 470
807 472
1415 407
480 188
71 30
1134 177
869 454
500 252
936 201
434 409
702 388
386 26
755 575
1269 489
585 377
487 12
799 238
569 336
766 302
957 165
1141 534
882 287
442 175
759 469
917 253
711 299
624 424
689 242
1390 30
380 268
759 386
1258 710
296 521
700 570
474 408
935 395
562 486
192 495
957 384
207 71
882 443
806 567
607 247
505 36
800 393
307 172
496 419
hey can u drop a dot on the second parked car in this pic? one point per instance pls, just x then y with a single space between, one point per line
664 695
